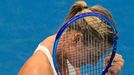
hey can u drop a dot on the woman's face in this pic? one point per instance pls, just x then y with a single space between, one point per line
71 46
72 43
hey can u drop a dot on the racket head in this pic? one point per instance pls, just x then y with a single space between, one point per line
73 19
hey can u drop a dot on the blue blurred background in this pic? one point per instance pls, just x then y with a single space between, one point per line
25 23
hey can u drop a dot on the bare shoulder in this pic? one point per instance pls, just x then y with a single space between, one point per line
36 65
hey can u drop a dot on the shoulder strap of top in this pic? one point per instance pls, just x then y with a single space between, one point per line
49 56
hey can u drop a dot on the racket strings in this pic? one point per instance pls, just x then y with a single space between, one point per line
92 55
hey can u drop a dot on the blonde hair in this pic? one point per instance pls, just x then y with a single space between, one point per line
105 12
80 5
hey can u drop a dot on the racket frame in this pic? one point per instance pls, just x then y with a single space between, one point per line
73 19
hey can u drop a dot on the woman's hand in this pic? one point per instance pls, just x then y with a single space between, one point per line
116 65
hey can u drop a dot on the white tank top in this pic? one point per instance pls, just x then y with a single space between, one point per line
49 56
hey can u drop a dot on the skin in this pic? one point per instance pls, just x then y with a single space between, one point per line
38 64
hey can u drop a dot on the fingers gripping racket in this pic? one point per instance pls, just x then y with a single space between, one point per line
85 41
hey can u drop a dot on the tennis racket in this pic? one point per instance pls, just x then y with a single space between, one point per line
80 47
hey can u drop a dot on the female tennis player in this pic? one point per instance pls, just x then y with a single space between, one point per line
40 63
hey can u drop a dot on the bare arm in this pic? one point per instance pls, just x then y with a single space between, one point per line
38 64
